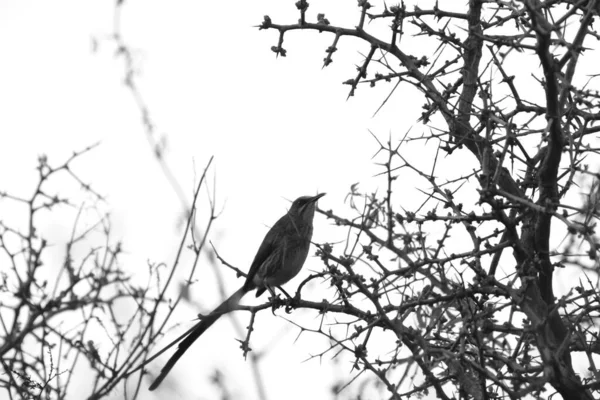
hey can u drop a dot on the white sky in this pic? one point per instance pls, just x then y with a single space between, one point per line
278 128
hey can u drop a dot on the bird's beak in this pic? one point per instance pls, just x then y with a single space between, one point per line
317 197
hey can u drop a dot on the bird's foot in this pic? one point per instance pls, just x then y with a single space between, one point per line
291 303
276 302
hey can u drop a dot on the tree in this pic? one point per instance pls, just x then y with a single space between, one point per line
459 274
54 314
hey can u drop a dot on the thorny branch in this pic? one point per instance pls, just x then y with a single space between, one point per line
59 322
443 283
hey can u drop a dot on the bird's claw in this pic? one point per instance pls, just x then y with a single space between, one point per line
291 303
288 307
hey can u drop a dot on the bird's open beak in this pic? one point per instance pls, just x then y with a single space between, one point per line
317 197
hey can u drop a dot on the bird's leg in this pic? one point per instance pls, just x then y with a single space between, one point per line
292 302
284 292
272 292
274 299
289 306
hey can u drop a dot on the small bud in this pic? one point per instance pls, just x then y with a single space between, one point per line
364 4
322 20
279 50
302 5
266 21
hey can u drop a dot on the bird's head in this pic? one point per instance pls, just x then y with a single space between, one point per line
304 207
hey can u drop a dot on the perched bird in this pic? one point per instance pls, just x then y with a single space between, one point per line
279 258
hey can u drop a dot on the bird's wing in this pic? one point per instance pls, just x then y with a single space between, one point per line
267 247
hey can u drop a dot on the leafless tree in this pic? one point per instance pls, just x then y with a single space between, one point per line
70 310
480 280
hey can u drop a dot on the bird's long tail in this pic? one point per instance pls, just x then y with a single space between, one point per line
197 331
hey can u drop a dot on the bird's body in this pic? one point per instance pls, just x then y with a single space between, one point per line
279 258
281 255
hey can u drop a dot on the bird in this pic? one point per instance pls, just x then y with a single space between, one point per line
279 258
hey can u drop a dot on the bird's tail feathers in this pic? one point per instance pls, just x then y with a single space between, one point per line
230 304
205 323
